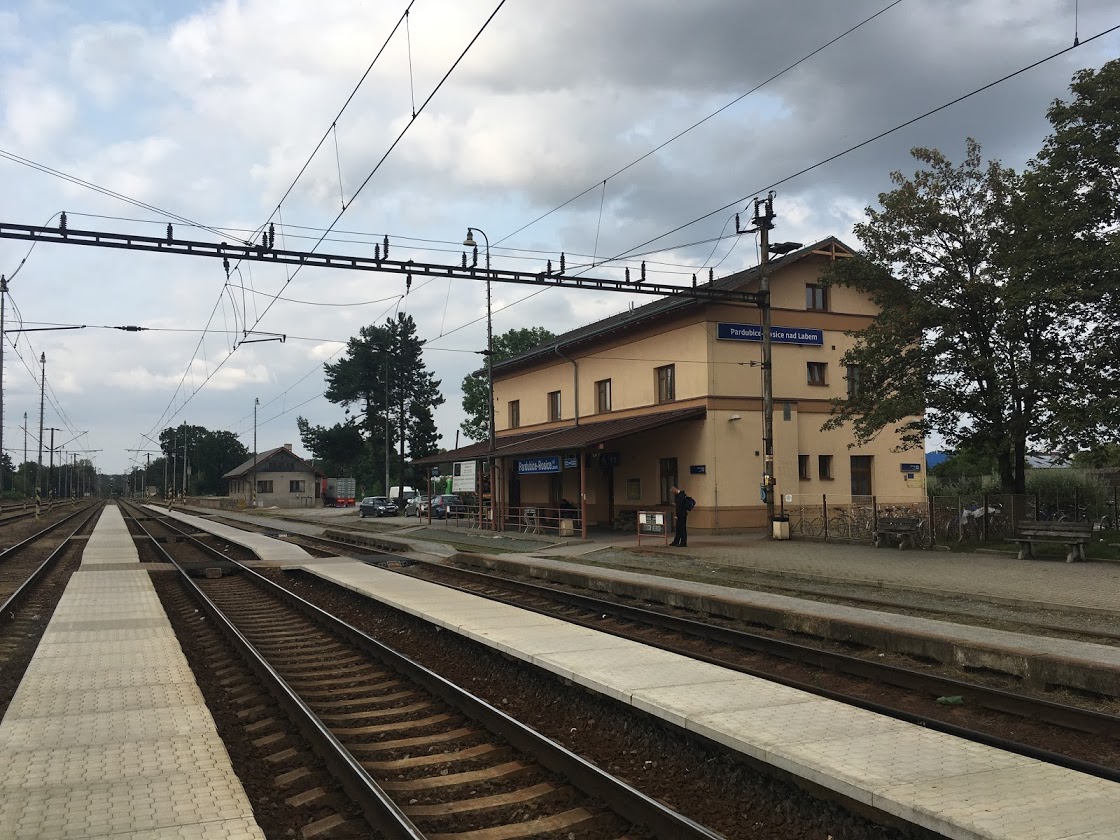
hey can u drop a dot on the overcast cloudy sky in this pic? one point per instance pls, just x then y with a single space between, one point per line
209 109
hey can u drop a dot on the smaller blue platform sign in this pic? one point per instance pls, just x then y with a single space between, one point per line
571 462
911 468
698 469
536 466
778 335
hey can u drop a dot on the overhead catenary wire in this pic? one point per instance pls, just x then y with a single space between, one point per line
699 123
357 192
867 142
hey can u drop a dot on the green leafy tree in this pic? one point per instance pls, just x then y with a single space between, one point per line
208 455
1063 244
335 448
384 376
998 295
476 390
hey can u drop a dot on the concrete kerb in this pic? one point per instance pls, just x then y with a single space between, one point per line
1025 658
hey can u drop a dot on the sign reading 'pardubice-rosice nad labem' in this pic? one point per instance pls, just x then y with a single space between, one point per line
780 335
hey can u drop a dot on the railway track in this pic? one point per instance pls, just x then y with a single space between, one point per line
1066 734
420 756
33 575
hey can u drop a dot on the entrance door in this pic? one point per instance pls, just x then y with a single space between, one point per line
861 475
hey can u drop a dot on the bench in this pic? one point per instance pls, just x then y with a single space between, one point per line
902 528
1074 535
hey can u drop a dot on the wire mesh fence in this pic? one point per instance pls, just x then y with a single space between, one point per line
944 519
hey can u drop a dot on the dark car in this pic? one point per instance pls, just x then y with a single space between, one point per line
377 506
441 506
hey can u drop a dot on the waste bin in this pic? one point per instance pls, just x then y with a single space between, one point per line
781 527
567 527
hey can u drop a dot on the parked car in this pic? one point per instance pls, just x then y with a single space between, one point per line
376 506
415 505
447 504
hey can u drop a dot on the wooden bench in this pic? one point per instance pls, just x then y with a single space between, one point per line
1074 535
902 528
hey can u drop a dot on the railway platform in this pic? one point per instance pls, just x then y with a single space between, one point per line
948 785
108 735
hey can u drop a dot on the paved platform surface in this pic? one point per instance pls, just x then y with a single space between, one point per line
1094 585
946 784
108 735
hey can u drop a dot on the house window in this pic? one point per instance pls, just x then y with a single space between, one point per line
816 297
514 414
668 477
264 486
861 475
787 411
853 381
602 396
824 467
817 373
553 405
803 467
666 384
297 486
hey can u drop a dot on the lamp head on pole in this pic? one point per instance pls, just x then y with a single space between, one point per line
469 241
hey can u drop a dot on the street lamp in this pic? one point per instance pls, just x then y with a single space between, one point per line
470 243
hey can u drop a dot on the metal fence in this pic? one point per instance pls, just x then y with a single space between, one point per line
944 520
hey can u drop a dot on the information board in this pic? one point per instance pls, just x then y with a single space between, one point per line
464 477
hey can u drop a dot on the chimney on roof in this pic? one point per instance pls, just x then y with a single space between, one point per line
288 446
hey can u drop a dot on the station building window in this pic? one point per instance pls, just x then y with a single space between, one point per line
824 466
817 373
853 381
666 383
553 406
602 396
816 297
803 467
514 414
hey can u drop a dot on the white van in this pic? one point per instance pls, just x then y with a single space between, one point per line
401 495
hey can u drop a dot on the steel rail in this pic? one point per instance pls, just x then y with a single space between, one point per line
381 812
995 699
627 801
7 609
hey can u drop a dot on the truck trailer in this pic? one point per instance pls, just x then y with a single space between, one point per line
338 492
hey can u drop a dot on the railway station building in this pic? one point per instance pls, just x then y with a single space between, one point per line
610 416
282 478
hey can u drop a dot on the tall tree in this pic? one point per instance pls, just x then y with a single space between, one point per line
997 295
476 386
384 375
206 454
1064 243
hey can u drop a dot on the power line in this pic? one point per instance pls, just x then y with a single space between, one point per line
697 124
357 192
868 141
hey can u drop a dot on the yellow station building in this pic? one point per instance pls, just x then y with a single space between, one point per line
611 415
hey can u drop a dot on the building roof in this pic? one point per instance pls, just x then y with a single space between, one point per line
244 469
659 308
564 438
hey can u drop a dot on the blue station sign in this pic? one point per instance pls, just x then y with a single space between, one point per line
778 335
537 466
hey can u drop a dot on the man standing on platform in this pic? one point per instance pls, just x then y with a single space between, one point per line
683 505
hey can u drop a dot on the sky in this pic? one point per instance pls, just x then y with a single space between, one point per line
205 113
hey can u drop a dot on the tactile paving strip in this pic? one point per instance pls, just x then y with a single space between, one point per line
108 735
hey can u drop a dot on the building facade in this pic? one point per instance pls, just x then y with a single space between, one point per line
282 479
612 415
